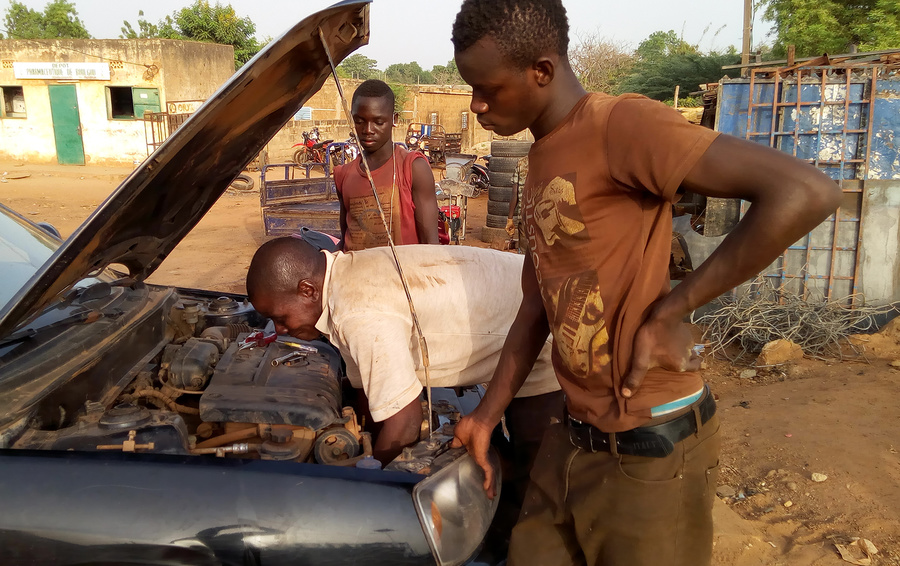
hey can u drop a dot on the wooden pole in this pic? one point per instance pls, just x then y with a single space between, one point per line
748 33
677 89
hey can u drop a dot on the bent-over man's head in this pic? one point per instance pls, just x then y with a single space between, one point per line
284 283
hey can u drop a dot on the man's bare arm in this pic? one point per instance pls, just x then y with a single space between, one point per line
788 199
523 345
398 431
426 202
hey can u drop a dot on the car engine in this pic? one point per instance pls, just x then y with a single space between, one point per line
216 386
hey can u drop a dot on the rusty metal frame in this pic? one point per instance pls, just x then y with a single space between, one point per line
857 165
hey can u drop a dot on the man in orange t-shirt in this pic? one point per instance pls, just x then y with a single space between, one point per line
630 478
403 179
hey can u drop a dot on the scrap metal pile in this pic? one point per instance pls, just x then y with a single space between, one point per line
741 326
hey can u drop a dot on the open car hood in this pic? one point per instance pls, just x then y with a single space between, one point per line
140 223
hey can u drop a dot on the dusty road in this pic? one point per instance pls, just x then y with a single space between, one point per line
837 419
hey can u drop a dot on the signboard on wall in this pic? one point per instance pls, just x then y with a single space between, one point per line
62 71
183 106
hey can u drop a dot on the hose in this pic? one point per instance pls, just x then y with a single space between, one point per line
154 394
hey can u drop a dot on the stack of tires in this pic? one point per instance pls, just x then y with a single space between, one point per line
505 154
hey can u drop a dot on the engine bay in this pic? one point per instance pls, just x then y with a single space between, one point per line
220 385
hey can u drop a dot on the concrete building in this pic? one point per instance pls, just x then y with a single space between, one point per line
83 102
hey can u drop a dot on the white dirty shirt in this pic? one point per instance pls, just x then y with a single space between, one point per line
466 300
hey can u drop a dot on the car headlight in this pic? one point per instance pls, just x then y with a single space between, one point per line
454 510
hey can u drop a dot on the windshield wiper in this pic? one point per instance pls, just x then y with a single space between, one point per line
80 317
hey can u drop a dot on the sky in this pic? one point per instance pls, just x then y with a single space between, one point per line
419 30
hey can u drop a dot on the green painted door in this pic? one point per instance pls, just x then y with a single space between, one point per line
66 125
145 100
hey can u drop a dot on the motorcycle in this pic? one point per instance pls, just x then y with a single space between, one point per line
310 150
478 177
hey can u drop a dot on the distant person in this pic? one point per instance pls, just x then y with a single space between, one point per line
403 179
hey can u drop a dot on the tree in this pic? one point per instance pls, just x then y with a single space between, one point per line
58 20
661 44
202 22
447 74
657 78
401 95
408 73
601 64
145 30
815 27
358 66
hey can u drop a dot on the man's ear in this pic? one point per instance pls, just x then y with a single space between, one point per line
543 71
307 289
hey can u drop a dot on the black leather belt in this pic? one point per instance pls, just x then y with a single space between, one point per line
654 441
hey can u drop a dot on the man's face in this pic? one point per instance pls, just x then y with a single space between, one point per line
504 98
294 314
373 120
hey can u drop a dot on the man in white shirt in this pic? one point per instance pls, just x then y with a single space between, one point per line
465 298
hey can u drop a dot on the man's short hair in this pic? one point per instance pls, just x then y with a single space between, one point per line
373 88
523 29
279 265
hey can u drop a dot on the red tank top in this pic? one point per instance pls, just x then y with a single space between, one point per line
394 183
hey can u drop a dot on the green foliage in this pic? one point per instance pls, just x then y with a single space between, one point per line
401 95
447 74
58 20
662 44
145 29
358 66
218 24
657 78
203 22
408 73
815 27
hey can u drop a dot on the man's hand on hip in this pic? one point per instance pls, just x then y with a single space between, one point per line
660 343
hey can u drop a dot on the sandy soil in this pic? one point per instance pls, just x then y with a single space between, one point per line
837 419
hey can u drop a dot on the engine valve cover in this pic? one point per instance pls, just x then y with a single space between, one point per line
247 388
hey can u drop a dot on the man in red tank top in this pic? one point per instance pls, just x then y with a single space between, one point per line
630 478
403 179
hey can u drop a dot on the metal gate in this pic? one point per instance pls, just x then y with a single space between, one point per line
820 113
158 126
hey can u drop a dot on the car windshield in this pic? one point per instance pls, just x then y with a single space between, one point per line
24 248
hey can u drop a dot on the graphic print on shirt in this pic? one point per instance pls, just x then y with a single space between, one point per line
578 327
365 211
573 302
556 211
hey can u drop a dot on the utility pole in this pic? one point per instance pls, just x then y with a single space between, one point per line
748 32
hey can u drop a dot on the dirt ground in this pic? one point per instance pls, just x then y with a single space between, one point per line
840 419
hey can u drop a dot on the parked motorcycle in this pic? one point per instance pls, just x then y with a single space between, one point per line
310 150
478 177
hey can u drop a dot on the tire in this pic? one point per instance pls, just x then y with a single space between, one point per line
510 148
498 207
301 156
501 179
242 183
503 164
491 235
496 221
501 194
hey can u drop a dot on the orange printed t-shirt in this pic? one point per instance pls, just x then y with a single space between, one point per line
598 216
394 183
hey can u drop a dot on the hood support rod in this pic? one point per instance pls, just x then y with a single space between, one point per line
423 346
